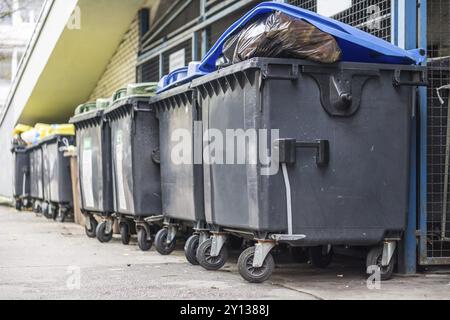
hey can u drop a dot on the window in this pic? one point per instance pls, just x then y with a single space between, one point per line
29 10
5 66
6 10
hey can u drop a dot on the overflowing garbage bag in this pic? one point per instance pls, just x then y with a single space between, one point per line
278 35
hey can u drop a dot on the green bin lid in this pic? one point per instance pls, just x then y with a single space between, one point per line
85 107
142 89
119 94
103 103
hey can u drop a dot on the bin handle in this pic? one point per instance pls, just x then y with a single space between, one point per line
287 149
422 82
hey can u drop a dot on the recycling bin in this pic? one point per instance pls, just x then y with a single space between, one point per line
326 152
93 139
21 176
36 177
181 181
135 163
57 179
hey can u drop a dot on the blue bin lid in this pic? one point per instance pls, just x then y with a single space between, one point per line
356 45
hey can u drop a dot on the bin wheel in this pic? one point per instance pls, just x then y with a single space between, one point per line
211 263
374 258
61 216
91 233
190 249
299 254
54 212
252 274
102 236
318 258
44 211
161 244
125 233
143 242
19 205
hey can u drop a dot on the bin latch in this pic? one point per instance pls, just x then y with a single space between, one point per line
340 90
288 150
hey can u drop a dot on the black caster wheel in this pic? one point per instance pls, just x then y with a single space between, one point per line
144 242
91 230
125 233
299 254
102 236
44 211
252 274
53 212
211 263
374 258
61 215
19 205
190 249
161 244
319 256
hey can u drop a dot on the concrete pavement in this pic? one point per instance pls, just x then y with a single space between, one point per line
41 259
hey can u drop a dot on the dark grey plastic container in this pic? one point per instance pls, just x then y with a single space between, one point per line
93 137
36 173
345 132
182 183
57 178
21 176
135 145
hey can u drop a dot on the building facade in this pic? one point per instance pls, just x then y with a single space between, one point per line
17 21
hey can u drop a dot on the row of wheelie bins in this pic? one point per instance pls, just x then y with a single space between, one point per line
289 152
42 179
271 151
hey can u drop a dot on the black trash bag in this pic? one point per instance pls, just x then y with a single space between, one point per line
278 35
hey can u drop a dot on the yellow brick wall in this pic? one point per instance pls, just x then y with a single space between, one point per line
121 69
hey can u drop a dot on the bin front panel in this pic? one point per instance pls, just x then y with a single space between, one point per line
57 178
358 198
36 174
181 181
146 172
21 176
122 164
46 172
89 142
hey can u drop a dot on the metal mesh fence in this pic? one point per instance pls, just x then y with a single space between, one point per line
438 140
372 16
186 46
149 71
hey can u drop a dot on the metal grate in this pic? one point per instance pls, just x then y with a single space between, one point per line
372 16
439 75
187 46
149 71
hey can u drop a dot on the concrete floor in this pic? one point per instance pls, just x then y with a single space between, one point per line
36 256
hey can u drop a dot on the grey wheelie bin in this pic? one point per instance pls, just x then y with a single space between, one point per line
338 137
135 162
21 176
57 178
36 178
181 179
93 139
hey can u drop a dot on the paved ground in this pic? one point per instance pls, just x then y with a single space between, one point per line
37 256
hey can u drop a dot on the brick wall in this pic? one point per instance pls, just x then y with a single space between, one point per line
121 69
